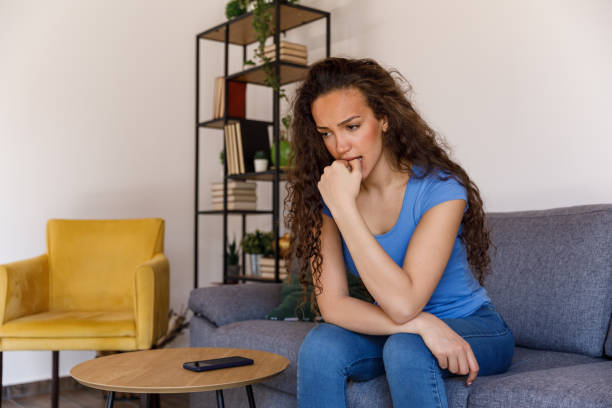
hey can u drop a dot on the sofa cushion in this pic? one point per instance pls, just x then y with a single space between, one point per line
584 386
551 277
285 338
232 303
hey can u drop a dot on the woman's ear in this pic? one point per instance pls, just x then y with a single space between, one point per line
385 124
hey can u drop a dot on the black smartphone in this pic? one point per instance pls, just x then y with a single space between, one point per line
216 363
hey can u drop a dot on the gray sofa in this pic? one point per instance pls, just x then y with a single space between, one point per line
551 281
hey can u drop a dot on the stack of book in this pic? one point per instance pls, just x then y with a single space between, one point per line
267 268
290 52
241 195
244 138
237 99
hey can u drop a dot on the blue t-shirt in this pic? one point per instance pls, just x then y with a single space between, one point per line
458 293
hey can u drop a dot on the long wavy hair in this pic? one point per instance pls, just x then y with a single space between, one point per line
408 139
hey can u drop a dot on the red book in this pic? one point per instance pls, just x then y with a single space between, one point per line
237 99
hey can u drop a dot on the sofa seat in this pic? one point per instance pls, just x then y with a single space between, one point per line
584 386
285 339
71 324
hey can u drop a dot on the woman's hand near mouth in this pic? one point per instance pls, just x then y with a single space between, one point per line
340 184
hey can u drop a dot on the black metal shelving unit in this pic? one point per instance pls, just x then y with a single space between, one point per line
239 31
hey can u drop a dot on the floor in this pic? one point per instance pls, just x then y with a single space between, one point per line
90 398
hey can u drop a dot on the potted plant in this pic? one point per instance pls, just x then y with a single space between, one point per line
256 244
260 161
285 145
233 258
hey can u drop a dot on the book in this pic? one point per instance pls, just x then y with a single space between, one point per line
286 45
237 98
229 150
292 53
235 193
234 184
238 205
238 136
265 261
289 58
252 136
271 275
230 199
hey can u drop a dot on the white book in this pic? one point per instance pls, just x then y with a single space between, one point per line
218 185
286 45
238 205
233 199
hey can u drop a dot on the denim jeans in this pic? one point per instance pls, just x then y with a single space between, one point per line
330 355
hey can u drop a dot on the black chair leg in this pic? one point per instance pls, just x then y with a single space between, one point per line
55 380
1 387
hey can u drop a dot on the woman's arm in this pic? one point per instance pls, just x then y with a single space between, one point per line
337 307
402 292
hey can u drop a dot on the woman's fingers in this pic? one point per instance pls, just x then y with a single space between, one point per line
474 368
453 364
464 368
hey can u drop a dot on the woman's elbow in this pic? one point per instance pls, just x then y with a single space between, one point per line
403 315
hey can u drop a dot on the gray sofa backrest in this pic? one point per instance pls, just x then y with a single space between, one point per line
552 276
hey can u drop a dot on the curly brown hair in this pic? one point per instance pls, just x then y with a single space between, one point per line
408 139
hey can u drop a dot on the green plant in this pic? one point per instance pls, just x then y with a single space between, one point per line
222 157
231 253
258 243
234 8
260 154
263 25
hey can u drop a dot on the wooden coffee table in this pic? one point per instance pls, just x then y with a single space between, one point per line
161 372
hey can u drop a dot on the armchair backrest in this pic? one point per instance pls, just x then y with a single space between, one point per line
92 262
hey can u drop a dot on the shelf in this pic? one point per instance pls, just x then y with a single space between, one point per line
235 212
218 123
289 72
261 176
241 28
251 278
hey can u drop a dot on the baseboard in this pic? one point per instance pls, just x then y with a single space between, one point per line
38 387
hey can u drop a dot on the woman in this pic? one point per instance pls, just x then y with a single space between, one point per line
374 192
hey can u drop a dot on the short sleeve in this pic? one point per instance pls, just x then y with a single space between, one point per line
325 209
438 191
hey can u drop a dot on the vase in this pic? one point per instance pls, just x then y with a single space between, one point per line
284 153
255 264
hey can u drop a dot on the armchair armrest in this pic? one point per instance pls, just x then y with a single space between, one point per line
151 300
24 288
233 303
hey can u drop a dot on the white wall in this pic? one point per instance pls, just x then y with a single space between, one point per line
97 111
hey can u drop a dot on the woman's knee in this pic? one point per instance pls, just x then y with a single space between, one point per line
406 350
324 346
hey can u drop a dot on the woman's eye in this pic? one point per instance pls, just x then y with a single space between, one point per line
353 127
324 135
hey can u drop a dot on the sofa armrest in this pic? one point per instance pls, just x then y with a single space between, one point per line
24 288
151 300
233 303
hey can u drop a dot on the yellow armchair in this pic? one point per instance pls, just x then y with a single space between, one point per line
103 285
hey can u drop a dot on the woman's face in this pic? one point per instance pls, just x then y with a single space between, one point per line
349 128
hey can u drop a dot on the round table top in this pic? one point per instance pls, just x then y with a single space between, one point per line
161 371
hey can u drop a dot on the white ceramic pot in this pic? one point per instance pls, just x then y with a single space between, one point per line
261 165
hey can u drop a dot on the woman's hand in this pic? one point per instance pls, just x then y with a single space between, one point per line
451 350
340 183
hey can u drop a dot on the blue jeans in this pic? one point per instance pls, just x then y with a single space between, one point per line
330 355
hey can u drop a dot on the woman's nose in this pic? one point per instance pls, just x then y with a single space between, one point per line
343 145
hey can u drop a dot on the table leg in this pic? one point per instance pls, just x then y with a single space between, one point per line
149 401
220 403
110 399
249 390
